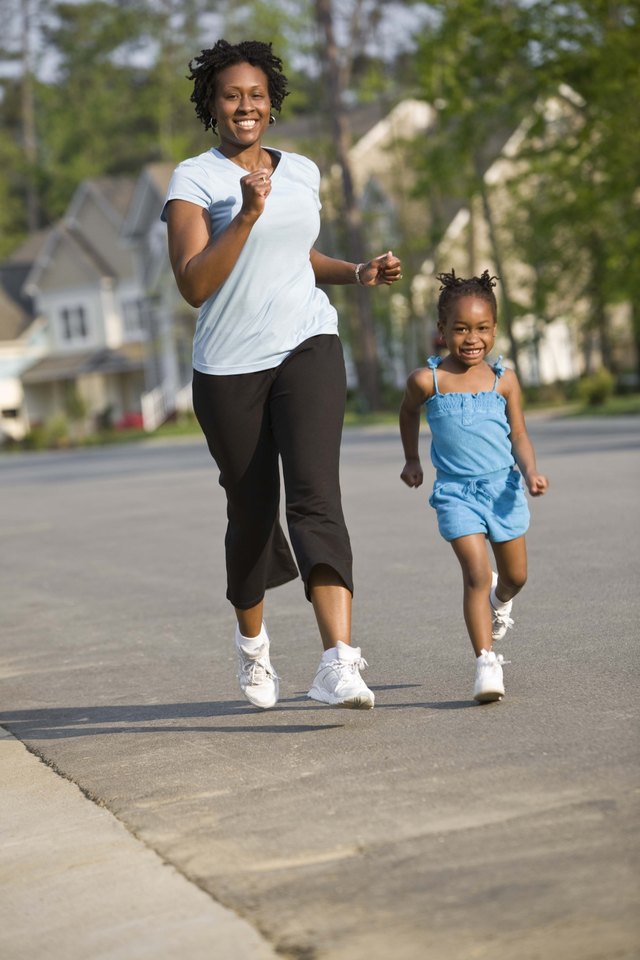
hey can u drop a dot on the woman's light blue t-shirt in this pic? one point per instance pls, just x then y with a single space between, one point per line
270 303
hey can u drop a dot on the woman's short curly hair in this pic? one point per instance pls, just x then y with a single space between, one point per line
205 68
452 288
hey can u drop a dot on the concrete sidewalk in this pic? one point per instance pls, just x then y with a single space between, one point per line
75 885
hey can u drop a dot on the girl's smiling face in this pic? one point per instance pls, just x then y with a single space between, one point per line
469 330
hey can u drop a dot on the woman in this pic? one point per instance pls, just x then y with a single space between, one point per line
269 377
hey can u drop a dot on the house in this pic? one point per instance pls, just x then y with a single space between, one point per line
170 320
22 336
479 236
92 327
85 292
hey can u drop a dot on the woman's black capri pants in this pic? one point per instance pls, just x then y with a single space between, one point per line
293 412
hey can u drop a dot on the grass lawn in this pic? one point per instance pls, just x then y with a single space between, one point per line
625 405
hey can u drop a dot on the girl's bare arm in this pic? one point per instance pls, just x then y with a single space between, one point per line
419 388
523 450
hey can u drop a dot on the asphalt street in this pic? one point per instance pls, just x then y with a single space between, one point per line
430 828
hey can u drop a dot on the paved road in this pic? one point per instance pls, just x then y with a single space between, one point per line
427 829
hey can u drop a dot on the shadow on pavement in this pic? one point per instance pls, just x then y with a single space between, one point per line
63 722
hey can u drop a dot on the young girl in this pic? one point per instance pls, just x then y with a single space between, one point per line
478 432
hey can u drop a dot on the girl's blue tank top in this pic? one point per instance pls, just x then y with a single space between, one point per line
469 431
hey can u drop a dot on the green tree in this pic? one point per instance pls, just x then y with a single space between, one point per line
100 116
597 53
474 64
21 24
573 210
353 69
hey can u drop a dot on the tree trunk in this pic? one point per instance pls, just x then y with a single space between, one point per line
598 301
363 328
27 114
507 312
635 329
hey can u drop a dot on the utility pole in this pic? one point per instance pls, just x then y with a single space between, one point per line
28 115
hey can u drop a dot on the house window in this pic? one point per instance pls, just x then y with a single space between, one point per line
74 323
133 315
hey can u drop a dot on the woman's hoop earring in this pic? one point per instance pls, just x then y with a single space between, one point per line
272 120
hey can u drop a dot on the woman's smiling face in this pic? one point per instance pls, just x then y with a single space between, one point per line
241 105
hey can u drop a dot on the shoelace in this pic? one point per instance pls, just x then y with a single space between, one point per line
501 660
498 659
256 671
502 617
352 665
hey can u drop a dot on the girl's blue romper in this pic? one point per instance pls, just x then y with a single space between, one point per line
478 488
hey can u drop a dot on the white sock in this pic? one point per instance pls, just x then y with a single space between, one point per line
252 645
342 651
498 605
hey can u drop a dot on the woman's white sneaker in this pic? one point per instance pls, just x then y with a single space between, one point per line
258 680
500 617
489 685
338 681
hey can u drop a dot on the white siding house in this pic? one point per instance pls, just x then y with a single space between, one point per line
85 289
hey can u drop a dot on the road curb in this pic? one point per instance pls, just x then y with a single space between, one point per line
74 884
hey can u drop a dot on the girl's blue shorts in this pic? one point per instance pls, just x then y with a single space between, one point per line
494 505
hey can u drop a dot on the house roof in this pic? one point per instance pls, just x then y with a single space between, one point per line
112 194
289 134
16 307
13 318
28 251
160 174
153 180
70 366
82 248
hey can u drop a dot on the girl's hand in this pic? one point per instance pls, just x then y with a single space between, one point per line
412 473
384 269
256 187
537 484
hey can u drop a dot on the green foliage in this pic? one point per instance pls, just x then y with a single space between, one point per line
12 208
597 388
120 98
52 434
573 216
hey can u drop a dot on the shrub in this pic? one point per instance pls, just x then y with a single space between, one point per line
596 388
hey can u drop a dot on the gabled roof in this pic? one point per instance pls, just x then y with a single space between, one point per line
112 195
14 319
83 248
160 174
16 307
295 133
152 183
405 121
30 248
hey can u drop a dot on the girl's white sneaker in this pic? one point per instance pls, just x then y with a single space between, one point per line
500 619
489 685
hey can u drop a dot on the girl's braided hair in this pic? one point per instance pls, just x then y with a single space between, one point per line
452 288
205 68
